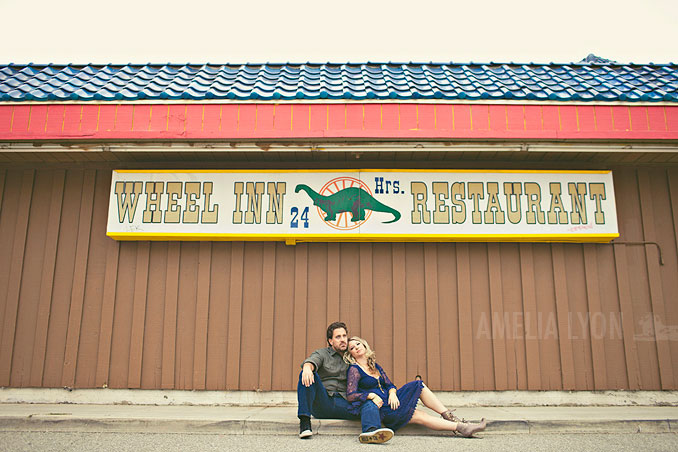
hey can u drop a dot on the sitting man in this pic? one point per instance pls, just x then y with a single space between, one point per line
321 391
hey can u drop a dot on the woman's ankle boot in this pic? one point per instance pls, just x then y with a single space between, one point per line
467 430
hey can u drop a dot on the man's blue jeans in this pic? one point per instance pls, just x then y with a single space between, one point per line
315 401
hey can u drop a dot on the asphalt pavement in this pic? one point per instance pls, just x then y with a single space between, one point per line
186 442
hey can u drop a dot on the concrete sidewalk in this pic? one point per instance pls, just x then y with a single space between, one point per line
281 420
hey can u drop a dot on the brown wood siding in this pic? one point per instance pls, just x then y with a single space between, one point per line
78 309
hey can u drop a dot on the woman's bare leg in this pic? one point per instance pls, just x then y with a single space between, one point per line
434 423
429 399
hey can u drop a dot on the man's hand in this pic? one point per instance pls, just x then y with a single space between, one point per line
377 400
393 401
307 378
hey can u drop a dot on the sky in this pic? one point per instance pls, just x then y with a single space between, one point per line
201 31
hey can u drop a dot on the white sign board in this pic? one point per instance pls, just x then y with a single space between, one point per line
362 205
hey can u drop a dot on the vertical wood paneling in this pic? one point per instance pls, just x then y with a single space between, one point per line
47 277
29 291
8 206
349 288
496 321
672 175
107 313
595 318
138 315
333 286
235 316
96 263
3 175
547 333
532 351
515 349
243 316
483 368
656 292
299 351
416 311
14 284
579 321
63 279
217 336
201 315
433 336
267 314
170 318
151 359
250 335
465 327
382 270
610 322
672 180
285 369
563 315
628 323
665 236
449 352
366 293
316 297
631 228
399 314
79 279
186 305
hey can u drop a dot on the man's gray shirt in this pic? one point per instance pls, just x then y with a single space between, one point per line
330 366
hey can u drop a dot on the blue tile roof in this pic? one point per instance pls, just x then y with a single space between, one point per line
583 81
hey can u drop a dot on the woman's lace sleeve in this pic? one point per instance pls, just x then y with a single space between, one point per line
352 393
389 383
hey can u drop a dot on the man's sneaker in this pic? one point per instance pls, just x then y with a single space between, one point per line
305 427
378 436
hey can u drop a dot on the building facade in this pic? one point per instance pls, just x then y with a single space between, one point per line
80 309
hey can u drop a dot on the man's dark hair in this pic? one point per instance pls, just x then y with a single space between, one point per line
334 326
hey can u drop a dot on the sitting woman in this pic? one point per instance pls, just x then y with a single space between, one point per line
367 381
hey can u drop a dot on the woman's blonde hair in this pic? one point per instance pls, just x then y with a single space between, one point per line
369 354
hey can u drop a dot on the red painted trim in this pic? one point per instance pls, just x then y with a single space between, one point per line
112 121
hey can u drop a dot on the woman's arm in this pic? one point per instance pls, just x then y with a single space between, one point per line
393 401
389 383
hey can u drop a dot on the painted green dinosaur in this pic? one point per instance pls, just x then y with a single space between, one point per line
352 199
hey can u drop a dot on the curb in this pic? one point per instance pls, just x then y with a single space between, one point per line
459 399
61 423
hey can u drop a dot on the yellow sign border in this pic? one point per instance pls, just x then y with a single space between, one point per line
297 238
371 170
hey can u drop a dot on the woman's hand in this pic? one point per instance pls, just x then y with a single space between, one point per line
376 399
393 401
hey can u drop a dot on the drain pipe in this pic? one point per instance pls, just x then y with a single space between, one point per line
643 242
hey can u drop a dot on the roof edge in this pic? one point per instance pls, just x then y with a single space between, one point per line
342 63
